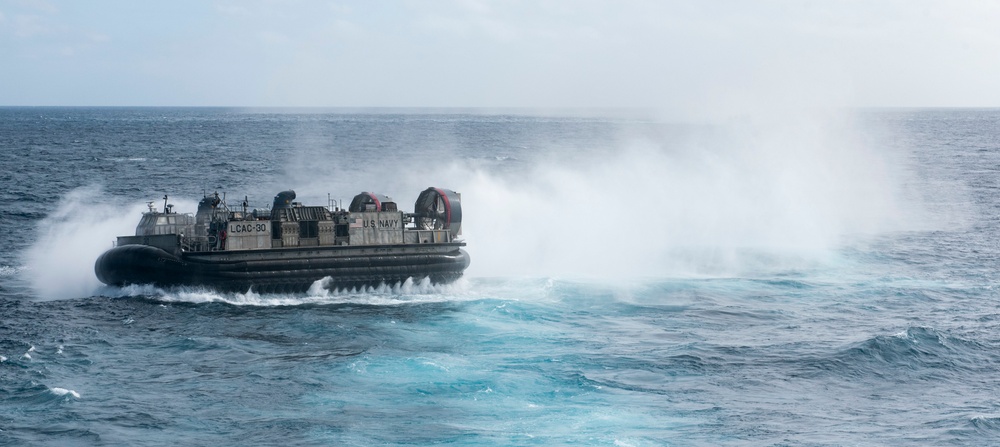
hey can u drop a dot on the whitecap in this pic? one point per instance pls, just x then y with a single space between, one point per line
63 391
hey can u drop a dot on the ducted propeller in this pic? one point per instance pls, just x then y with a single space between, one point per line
369 201
439 209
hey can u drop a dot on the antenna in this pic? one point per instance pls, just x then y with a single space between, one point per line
165 204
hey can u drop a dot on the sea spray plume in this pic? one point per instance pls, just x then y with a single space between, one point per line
735 198
762 192
82 225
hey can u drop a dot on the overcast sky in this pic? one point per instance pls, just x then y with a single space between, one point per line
475 53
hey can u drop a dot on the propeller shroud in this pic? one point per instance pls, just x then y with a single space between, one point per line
439 209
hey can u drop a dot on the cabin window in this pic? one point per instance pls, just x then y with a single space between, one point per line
161 220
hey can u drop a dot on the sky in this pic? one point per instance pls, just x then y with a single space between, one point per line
671 55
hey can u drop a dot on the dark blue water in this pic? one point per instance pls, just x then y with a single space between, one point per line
822 280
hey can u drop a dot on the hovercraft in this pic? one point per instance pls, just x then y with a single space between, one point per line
289 246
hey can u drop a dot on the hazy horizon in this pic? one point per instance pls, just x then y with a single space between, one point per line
679 58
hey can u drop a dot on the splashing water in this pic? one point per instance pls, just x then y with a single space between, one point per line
408 292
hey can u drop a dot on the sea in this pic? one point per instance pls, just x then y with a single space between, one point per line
773 278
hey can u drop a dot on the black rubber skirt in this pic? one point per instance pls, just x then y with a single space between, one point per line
143 264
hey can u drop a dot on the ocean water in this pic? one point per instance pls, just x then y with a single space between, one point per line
803 279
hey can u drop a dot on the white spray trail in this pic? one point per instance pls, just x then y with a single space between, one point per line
60 264
767 197
760 193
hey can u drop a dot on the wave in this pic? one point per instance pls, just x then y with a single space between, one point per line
408 292
917 352
64 392
132 159
36 394
918 347
986 423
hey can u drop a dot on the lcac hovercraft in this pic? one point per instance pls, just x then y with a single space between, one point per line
289 246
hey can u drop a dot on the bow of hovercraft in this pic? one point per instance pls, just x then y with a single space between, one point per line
136 264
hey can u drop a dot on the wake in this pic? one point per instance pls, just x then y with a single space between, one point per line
408 292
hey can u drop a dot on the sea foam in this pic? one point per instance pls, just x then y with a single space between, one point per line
63 391
408 292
